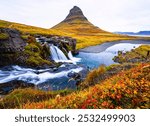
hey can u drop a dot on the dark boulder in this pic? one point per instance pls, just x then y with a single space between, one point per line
13 43
10 46
5 88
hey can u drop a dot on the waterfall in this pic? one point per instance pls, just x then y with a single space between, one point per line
74 59
59 56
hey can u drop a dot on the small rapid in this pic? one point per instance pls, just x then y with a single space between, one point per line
58 56
32 75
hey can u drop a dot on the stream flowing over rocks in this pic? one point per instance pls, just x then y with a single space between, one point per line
68 67
64 73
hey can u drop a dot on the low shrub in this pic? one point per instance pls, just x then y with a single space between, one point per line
128 89
21 96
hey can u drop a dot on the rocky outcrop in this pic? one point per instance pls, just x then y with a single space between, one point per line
64 43
10 46
13 43
14 50
5 88
75 13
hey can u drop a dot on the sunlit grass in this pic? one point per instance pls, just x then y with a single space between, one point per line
139 54
128 89
85 32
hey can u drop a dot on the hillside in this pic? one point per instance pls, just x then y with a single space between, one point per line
29 29
127 89
75 25
87 34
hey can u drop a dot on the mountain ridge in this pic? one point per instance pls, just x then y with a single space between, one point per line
135 33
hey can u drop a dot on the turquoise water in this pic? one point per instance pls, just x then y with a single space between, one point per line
95 56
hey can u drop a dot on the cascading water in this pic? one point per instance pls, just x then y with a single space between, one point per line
45 78
74 59
59 56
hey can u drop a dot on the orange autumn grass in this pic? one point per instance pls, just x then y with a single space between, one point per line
128 89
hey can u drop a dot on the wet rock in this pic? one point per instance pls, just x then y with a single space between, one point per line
66 44
5 88
14 42
55 69
72 74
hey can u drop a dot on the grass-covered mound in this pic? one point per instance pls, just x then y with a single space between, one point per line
36 55
87 34
140 54
127 89
27 29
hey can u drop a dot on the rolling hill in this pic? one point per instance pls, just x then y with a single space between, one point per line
25 29
75 25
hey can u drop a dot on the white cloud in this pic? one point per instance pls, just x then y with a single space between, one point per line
111 15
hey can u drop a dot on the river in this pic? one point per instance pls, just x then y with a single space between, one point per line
63 77
94 56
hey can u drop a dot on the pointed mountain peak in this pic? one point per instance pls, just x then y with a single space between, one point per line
75 13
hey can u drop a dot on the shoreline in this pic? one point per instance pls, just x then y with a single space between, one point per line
102 47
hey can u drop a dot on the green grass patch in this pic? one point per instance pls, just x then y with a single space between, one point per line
19 97
4 36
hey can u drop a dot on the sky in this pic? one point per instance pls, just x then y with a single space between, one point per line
110 15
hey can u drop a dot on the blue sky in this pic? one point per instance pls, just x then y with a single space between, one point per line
110 15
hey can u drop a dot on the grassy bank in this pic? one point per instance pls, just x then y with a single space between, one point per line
85 33
123 85
127 89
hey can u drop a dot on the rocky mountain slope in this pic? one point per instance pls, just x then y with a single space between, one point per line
77 23
78 26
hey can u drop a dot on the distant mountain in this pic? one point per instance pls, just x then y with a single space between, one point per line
134 33
144 33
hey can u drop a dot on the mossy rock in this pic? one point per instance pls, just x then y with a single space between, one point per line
140 54
24 37
4 36
36 55
35 61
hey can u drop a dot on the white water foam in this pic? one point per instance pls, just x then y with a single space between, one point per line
73 59
30 75
59 56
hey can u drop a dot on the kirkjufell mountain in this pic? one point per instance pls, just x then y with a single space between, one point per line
75 13
77 22
75 25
